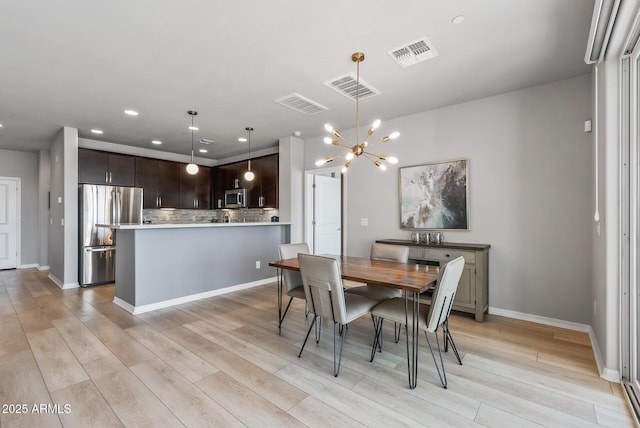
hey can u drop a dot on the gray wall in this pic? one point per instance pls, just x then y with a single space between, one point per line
530 187
63 227
44 177
24 165
56 231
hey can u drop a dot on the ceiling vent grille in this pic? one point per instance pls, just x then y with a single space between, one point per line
346 85
301 104
413 53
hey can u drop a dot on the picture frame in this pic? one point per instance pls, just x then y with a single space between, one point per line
435 196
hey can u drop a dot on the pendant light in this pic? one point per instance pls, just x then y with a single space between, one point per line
192 168
249 175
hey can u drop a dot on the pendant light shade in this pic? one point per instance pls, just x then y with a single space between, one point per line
249 175
192 168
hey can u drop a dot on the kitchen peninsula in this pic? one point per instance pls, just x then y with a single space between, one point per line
161 265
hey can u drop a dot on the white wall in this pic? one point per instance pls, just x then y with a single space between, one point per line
24 165
530 181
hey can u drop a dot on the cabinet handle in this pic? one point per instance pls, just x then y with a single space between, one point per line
236 183
110 178
261 201
106 177
160 200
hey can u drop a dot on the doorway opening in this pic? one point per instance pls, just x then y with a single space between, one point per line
323 211
9 222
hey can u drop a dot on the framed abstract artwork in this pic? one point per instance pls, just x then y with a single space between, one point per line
435 196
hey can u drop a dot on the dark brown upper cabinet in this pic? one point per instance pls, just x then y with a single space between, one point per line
97 167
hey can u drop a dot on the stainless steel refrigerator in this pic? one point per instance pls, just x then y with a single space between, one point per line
103 205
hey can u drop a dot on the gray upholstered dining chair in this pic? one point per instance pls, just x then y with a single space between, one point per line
291 279
430 318
394 253
326 299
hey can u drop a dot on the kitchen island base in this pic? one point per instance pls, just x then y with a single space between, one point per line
157 266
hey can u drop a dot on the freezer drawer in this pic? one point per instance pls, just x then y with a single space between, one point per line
97 265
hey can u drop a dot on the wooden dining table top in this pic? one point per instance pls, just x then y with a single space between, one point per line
414 278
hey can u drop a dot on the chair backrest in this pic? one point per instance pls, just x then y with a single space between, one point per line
394 253
323 286
292 279
444 293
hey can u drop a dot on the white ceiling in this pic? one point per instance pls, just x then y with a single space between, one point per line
81 63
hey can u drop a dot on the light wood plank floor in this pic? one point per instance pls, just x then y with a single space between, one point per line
82 361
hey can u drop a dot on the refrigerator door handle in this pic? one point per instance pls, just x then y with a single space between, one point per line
99 250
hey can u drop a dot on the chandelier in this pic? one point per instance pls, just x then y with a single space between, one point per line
192 168
362 148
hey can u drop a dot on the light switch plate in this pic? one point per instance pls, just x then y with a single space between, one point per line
364 221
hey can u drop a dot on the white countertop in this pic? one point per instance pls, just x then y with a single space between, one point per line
189 225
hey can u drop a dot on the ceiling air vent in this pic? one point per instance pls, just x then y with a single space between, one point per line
301 104
413 53
346 85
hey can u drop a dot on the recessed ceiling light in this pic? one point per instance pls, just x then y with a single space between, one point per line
194 128
156 142
97 131
131 112
1 125
458 19
242 140
203 150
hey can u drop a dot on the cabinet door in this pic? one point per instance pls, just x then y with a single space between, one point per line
203 189
270 181
466 293
169 184
121 170
146 176
195 190
254 188
92 166
218 182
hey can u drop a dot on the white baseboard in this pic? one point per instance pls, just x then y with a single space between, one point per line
60 284
43 267
540 320
28 266
135 310
605 373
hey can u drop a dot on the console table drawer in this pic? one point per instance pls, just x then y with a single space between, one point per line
446 254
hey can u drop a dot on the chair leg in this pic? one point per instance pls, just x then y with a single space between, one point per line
318 329
336 369
442 375
396 331
377 328
308 333
448 339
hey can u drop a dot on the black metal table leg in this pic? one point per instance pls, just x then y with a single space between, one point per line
279 301
412 339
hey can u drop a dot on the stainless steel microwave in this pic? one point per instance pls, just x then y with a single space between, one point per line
236 198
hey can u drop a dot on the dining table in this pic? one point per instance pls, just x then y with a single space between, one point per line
411 278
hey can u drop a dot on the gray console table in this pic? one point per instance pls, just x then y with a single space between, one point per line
473 291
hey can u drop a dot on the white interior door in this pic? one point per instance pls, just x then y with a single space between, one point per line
8 224
327 207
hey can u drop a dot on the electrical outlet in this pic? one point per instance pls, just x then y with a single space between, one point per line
364 221
257 264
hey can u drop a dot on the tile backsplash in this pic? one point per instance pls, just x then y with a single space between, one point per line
207 216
